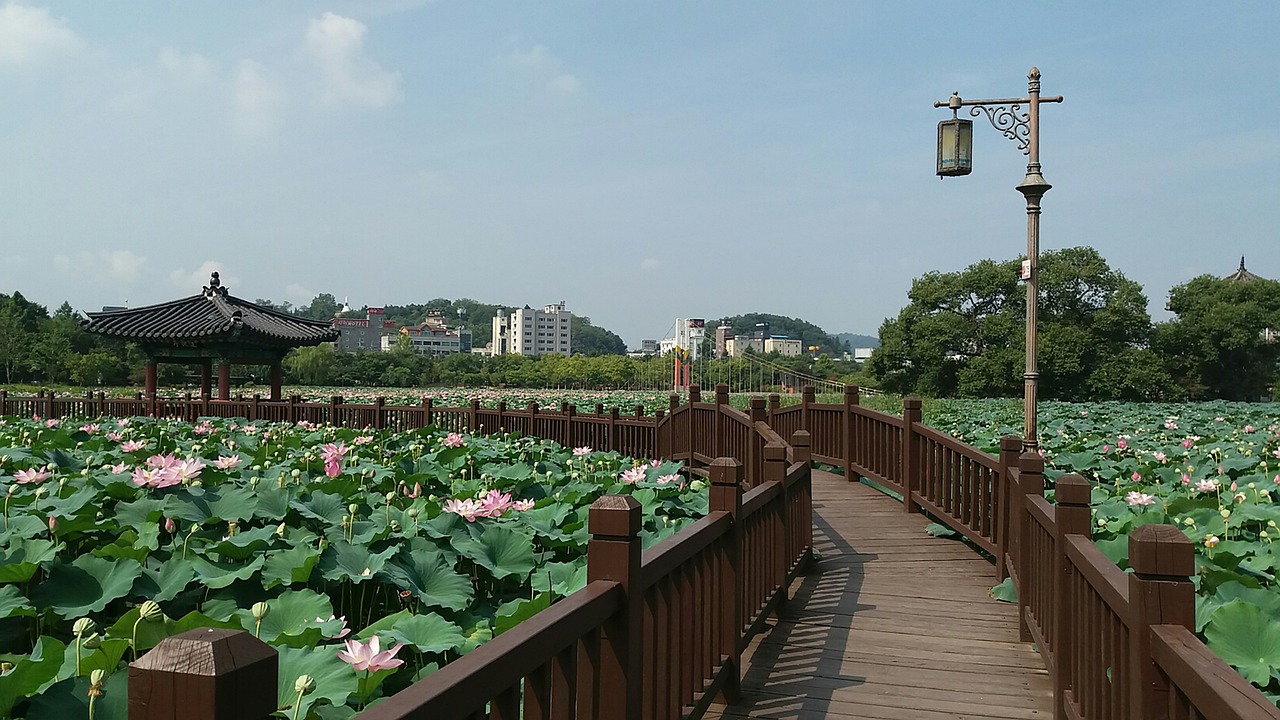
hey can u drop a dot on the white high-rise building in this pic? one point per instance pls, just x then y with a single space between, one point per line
533 332
688 337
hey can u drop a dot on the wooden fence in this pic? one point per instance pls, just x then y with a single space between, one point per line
1118 645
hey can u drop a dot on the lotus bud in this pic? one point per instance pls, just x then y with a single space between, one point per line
40 491
304 684
280 530
391 496
51 467
260 610
414 512
170 526
93 642
296 473
83 626
96 678
352 508
149 610
1225 513
253 484
53 523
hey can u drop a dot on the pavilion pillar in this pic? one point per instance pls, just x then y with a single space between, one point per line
224 380
276 380
206 378
149 383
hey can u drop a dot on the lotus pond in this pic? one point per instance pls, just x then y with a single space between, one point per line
368 559
1212 469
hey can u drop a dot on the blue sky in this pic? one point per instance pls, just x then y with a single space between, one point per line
640 160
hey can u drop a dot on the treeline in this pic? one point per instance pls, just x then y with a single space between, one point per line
963 334
38 347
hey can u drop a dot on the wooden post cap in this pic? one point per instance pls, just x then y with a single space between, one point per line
614 516
1072 490
1029 462
726 471
775 451
757 402
1161 551
1010 443
912 402
205 674
801 438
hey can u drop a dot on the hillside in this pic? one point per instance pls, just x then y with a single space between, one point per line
806 332
859 341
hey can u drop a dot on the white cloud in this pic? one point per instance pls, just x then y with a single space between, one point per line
539 64
189 283
349 76
119 266
298 294
29 35
257 102
188 69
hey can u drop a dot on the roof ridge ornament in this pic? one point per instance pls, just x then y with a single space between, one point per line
214 286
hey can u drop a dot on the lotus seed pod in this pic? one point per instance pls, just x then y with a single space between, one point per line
260 610
196 483
149 610
352 508
93 642
97 676
391 496
296 472
1225 513
414 512
5 667
304 684
83 626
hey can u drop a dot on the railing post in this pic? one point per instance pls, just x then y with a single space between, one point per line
848 428
334 402
613 553
255 412
725 495
427 414
1030 483
807 398
473 418
802 452
775 404
1160 593
1071 517
910 464
379 420
4 399
695 393
532 408
717 423
613 429
568 410
1010 447
775 470
205 674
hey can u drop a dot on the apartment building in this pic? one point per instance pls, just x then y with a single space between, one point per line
432 337
526 331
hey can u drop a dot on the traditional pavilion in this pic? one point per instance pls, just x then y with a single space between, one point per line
212 328
1241 275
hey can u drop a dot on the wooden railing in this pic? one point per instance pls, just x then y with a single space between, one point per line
654 634
1118 645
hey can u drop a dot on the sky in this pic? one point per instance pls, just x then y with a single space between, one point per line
641 161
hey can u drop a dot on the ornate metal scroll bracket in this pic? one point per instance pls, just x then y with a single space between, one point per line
1011 123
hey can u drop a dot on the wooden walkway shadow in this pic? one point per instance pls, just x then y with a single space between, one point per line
891 623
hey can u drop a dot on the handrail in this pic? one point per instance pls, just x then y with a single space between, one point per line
1208 687
674 551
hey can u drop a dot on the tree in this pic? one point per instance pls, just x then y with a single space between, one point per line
323 307
1219 346
311 365
963 333
591 340
794 328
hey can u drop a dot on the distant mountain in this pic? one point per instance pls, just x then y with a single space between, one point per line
858 341
806 332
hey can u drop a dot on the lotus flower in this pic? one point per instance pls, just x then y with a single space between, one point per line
522 505
362 440
113 436
134 446
366 656
188 469
119 468
334 452
162 462
33 475
494 504
1207 485
1136 498
584 450
665 479
226 462
469 509
52 423
454 440
332 468
90 428
634 475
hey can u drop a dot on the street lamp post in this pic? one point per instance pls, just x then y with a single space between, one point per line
955 145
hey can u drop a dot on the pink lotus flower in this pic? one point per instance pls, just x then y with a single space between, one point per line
468 509
1136 476
114 436
32 475
1186 442
1249 428
162 462
204 428
52 423
334 452
119 468
580 451
226 462
363 440
156 477
1106 448
122 422
1170 425
454 440
134 446
522 505
634 475
188 469
1136 498
494 504
342 631
53 523
1186 479
366 656
1121 445
655 463
413 494
1207 485
1159 456
1277 453
90 428
332 468
1084 413
672 478
170 526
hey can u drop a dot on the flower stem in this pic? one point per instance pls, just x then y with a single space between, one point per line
297 706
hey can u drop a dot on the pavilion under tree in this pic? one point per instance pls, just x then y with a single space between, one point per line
208 329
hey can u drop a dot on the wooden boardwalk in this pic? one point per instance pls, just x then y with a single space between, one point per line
891 623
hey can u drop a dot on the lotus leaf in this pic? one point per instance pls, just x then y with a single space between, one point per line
85 585
1247 637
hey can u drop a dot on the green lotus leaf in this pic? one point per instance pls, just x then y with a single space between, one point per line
559 578
357 563
220 574
273 503
545 521
510 614
244 544
335 680
12 602
289 566
19 562
149 632
428 633
323 506
163 584
291 614
500 550
194 619
139 512
1246 637
85 585
31 673
106 657
430 575
200 505
1005 591
70 699
125 546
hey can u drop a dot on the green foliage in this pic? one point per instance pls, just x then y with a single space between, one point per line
794 328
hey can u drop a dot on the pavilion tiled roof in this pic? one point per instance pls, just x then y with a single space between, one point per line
1242 275
211 316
